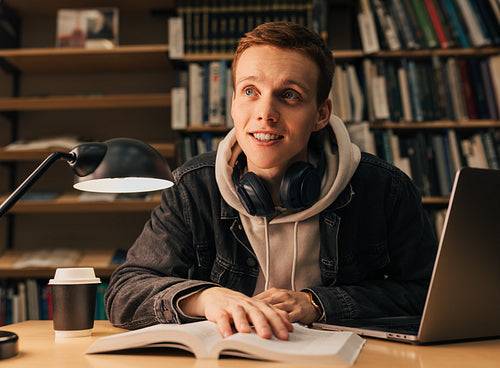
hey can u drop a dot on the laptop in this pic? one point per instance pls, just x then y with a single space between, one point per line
463 300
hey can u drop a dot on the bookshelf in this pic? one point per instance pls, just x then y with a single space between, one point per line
126 91
343 25
97 94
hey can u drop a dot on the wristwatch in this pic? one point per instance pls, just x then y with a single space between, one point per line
314 304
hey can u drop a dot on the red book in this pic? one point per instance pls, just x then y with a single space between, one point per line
436 23
470 101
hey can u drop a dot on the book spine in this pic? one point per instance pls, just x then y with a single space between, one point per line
477 36
414 92
489 90
356 94
405 94
425 23
494 72
436 23
469 97
450 13
387 25
215 93
368 31
403 24
486 18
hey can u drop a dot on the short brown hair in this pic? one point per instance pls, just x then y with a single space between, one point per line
293 36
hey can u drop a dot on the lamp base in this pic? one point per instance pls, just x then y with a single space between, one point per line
9 346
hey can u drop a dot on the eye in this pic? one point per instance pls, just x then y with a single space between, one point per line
249 91
290 95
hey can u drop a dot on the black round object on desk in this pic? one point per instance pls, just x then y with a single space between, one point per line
8 344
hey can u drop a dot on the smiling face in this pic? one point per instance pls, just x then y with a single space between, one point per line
275 107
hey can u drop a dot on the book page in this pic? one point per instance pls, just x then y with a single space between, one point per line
196 338
305 345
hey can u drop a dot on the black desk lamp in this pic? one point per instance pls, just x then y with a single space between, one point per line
120 165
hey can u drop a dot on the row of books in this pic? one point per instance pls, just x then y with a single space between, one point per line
407 90
203 95
416 24
431 159
195 144
31 299
217 25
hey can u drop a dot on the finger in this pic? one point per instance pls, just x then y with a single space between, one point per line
224 325
260 323
278 321
240 320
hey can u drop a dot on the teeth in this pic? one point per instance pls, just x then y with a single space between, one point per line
266 137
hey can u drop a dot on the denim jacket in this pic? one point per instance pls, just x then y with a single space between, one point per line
376 254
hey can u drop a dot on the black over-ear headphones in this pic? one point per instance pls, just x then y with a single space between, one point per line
299 188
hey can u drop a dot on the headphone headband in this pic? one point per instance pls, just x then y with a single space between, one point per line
300 186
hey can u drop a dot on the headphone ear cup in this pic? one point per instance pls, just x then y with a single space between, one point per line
254 196
300 186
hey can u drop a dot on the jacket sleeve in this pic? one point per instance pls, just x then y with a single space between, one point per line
144 290
399 286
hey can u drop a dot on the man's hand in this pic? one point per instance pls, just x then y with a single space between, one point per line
227 307
295 303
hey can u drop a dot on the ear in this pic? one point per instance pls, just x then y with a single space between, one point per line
324 113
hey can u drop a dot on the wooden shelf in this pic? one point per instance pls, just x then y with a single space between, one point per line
65 60
85 102
69 203
358 54
471 124
167 150
99 259
51 6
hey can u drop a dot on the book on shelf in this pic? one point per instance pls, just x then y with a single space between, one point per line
367 28
179 108
216 27
414 24
437 22
401 18
66 142
90 28
203 339
387 25
208 96
175 38
473 23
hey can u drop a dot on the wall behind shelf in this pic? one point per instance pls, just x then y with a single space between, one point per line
89 230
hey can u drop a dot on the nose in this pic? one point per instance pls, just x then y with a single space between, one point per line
266 110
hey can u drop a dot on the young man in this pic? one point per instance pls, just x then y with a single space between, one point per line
287 222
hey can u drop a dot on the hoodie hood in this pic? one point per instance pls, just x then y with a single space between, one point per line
288 243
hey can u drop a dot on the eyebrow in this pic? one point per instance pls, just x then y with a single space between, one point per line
251 78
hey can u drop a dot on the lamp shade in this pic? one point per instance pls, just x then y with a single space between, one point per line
120 165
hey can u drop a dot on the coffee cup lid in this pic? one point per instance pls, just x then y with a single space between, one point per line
81 275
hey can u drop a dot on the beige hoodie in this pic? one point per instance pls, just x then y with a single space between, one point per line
287 245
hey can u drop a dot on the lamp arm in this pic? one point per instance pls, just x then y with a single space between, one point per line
30 180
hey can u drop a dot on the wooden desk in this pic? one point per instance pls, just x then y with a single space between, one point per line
39 348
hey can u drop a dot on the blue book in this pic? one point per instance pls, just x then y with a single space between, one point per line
450 13
414 91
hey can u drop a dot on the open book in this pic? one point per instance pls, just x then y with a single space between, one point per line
204 341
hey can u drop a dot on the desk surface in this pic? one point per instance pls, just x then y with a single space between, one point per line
39 348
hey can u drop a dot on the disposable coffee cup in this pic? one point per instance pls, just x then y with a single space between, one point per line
73 301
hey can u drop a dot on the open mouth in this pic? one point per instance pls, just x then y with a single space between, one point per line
266 137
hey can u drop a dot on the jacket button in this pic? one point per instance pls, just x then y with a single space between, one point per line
167 315
251 262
